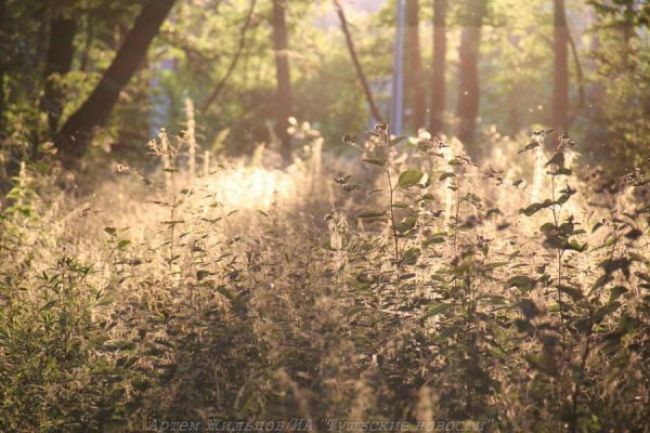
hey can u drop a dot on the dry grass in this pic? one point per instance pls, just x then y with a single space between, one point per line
250 293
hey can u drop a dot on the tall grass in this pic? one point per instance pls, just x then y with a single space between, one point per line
404 284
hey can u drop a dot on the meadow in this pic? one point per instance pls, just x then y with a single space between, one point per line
397 282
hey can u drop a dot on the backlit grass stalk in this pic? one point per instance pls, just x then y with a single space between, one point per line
190 136
382 129
556 210
206 163
449 155
538 175
165 155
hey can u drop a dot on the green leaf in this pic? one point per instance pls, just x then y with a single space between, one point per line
573 292
225 292
567 229
410 178
397 140
121 245
535 207
406 224
544 363
371 214
110 230
48 306
528 308
605 311
411 256
25 211
433 240
575 246
202 274
522 282
377 162
616 292
436 310
556 242
493 299
446 175
563 171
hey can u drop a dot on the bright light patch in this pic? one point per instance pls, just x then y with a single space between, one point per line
251 187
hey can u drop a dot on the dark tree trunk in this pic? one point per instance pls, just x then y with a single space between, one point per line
438 86
560 69
283 102
76 133
3 71
357 65
414 82
468 95
2 102
58 61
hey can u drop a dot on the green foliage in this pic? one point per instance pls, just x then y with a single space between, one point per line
410 178
195 309
399 282
196 46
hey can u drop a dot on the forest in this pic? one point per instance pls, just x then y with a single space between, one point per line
328 216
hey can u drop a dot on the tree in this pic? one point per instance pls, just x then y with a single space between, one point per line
59 59
3 68
233 63
468 52
283 100
77 132
619 114
414 80
560 68
357 65
438 86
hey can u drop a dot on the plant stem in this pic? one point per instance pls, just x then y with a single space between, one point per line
392 216
556 220
457 215
471 355
573 422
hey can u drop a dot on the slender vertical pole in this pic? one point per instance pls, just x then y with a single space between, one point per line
397 105
560 66
438 85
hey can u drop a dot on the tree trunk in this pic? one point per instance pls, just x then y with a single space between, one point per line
75 135
3 71
415 80
283 100
58 61
468 95
560 69
438 86
357 65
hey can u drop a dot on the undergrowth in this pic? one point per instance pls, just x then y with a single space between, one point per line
405 283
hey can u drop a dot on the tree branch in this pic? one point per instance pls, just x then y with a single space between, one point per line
357 65
580 77
233 64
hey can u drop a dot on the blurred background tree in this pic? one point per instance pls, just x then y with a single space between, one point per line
469 66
